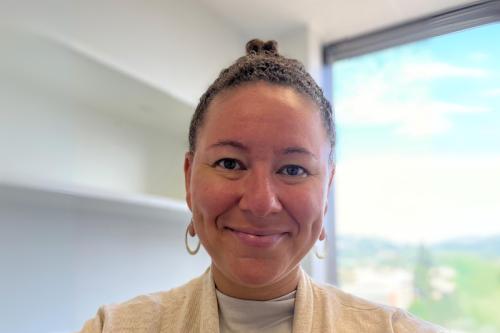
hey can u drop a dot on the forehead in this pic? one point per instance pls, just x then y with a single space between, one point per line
263 113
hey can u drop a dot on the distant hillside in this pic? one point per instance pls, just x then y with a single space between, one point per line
485 246
366 247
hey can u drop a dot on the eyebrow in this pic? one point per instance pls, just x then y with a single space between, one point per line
240 146
230 143
298 150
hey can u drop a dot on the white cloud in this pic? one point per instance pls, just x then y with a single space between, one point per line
479 56
434 70
429 118
424 122
415 117
445 107
418 198
393 93
492 92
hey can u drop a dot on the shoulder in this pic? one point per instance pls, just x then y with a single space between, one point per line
146 313
361 313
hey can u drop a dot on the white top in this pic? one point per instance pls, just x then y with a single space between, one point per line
273 316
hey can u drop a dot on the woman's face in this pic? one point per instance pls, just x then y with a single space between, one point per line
257 185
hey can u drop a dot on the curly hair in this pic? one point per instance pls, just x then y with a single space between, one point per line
262 62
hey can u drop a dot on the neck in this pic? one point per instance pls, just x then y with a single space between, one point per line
266 292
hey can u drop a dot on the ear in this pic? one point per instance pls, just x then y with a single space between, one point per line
322 235
330 181
191 229
188 165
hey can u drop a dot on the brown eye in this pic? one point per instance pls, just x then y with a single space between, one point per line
229 164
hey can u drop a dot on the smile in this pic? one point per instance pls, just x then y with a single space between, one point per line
257 238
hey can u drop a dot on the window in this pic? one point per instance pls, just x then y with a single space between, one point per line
417 188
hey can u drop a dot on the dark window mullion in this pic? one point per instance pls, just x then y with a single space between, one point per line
479 13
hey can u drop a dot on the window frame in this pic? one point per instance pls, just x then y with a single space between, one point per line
445 22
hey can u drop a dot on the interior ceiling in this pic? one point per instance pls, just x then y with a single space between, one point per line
332 20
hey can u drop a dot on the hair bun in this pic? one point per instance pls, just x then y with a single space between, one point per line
256 46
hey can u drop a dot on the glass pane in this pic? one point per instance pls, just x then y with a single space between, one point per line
417 196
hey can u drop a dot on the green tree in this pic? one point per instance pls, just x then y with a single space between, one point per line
421 280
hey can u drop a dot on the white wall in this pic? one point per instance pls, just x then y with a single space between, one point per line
60 260
46 138
304 44
179 46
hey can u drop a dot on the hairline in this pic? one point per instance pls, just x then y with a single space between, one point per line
228 89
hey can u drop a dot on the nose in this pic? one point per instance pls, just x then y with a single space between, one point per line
259 195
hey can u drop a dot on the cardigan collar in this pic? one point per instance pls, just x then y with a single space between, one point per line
308 316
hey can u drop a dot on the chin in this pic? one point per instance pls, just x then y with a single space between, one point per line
255 273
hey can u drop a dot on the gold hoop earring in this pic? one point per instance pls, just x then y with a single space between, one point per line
323 255
191 251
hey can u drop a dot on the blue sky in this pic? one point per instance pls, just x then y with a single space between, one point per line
419 139
452 81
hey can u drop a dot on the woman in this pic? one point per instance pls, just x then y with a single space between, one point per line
257 174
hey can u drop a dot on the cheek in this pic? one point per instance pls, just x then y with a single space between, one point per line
211 196
306 205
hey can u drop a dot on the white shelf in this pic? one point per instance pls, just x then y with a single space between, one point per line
68 117
31 194
70 71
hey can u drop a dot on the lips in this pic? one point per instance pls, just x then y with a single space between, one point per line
257 238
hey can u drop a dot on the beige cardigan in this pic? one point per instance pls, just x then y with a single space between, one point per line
193 308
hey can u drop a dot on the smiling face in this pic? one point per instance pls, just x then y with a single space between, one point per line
257 187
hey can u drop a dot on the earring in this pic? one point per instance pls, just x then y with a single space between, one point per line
191 252
325 252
